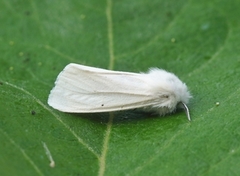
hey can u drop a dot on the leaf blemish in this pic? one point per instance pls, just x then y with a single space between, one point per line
27 59
52 163
33 112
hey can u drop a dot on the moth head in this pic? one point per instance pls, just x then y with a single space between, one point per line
170 85
178 91
178 94
172 92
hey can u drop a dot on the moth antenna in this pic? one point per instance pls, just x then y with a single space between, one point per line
186 110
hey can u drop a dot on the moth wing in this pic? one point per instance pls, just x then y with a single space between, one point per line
82 89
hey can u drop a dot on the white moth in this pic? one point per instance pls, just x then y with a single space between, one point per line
83 89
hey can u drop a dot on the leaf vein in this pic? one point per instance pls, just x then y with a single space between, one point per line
23 153
102 158
155 38
80 140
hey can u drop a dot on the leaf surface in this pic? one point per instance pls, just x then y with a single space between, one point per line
197 40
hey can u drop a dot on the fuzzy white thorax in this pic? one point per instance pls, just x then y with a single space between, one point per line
167 89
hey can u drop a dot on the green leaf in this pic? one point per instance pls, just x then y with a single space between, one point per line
197 40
